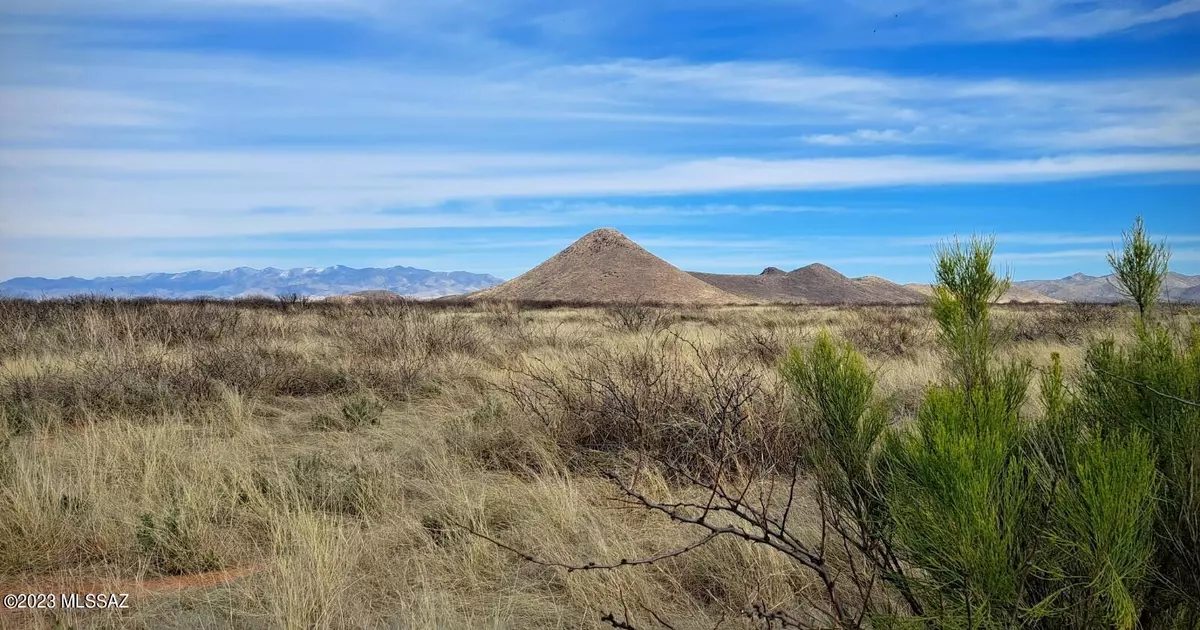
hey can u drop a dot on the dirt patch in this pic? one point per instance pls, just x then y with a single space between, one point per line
136 589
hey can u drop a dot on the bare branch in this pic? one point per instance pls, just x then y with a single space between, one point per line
759 611
591 566
620 624
1148 388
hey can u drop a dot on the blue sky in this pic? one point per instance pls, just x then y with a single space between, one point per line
723 135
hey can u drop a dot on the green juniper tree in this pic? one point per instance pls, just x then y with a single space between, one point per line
1140 267
1149 390
958 490
979 514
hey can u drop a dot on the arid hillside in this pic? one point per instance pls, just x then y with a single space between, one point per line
606 267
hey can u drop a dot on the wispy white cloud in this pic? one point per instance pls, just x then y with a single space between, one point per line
83 8
304 165
46 113
994 20
1070 19
172 194
744 105
998 112
867 137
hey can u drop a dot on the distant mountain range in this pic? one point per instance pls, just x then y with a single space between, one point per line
1084 288
603 266
246 282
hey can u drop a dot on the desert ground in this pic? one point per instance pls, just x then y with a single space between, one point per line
265 464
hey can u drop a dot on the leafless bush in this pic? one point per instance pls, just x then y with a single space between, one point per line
271 370
668 396
773 508
291 301
1065 323
637 317
706 316
887 332
742 490
178 325
127 383
407 330
519 332
396 350
96 324
764 345
502 315
21 323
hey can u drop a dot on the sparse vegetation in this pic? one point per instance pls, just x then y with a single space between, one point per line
355 412
637 317
168 546
966 466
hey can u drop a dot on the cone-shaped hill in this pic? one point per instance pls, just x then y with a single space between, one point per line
814 284
606 267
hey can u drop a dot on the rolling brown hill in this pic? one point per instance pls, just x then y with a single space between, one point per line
1014 295
606 267
814 284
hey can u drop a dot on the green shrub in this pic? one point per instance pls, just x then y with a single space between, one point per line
834 382
1087 516
1149 390
1099 538
169 547
354 413
1140 268
20 416
332 487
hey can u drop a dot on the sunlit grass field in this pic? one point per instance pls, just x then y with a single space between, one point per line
335 458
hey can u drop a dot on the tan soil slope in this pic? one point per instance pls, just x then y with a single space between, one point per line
1014 295
814 284
604 266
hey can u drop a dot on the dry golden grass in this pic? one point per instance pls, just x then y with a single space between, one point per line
335 451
